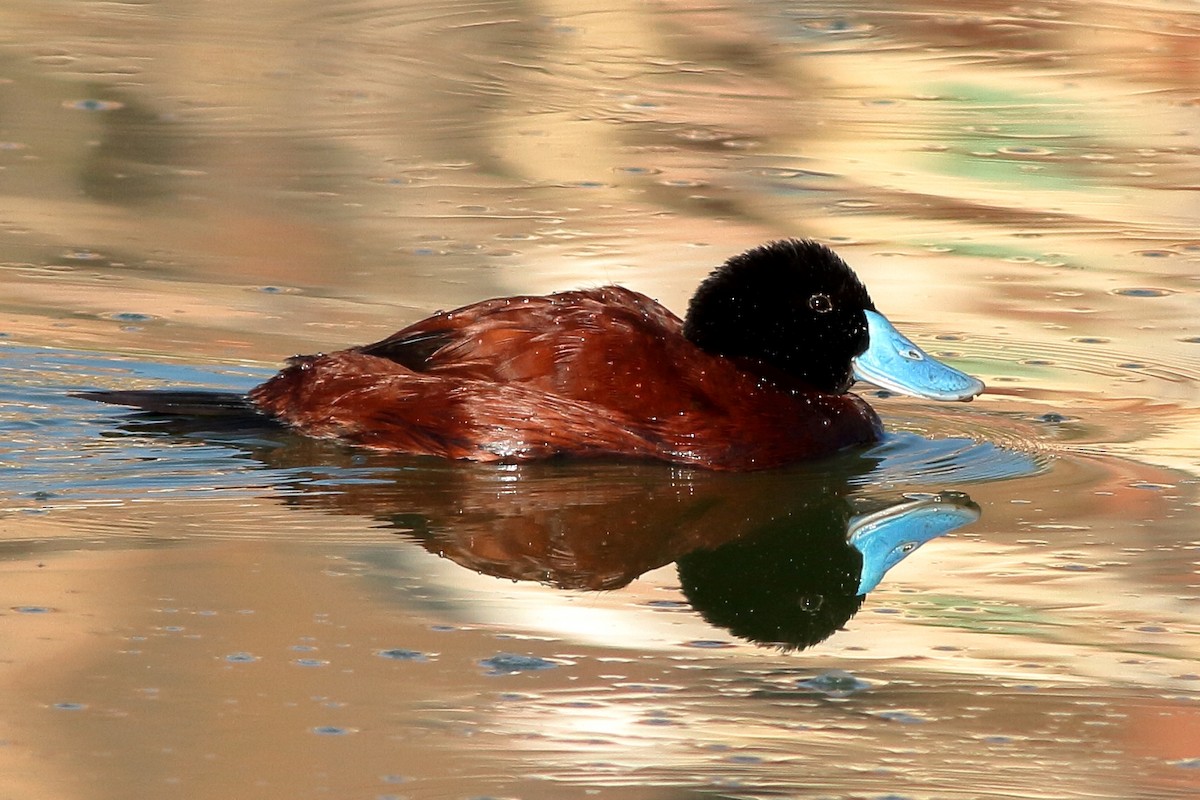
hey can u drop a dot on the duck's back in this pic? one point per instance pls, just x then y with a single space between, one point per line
610 345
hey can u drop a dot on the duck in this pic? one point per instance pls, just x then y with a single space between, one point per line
756 375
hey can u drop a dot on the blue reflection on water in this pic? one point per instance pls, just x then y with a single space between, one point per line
909 459
56 449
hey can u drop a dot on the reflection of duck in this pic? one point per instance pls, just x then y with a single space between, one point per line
755 377
778 558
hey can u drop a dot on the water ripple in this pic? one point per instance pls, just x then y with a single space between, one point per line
910 459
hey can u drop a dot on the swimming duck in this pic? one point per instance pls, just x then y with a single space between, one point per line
757 375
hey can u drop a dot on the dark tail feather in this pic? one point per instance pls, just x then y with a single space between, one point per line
195 403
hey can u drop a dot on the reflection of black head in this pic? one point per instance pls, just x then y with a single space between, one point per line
792 585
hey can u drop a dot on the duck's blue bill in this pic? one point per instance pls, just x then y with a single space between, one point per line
893 362
886 537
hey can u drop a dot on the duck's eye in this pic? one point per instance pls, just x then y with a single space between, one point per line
820 303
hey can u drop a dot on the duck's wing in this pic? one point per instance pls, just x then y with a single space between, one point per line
549 340
414 346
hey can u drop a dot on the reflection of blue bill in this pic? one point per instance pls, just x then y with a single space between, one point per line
886 537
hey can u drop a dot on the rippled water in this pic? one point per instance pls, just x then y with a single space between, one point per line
192 192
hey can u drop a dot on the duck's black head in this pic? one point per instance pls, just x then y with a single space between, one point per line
795 307
792 305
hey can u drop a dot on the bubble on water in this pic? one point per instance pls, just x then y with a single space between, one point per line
659 721
1024 150
668 604
33 609
1142 291
835 683
83 255
68 706
708 644
838 25
400 654
903 717
1053 418
516 697
333 730
744 759
93 104
509 663
241 658
129 316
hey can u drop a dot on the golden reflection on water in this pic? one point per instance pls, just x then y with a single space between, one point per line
214 183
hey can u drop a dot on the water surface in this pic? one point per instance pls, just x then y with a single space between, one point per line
192 192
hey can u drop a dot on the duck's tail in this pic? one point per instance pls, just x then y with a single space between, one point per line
177 402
